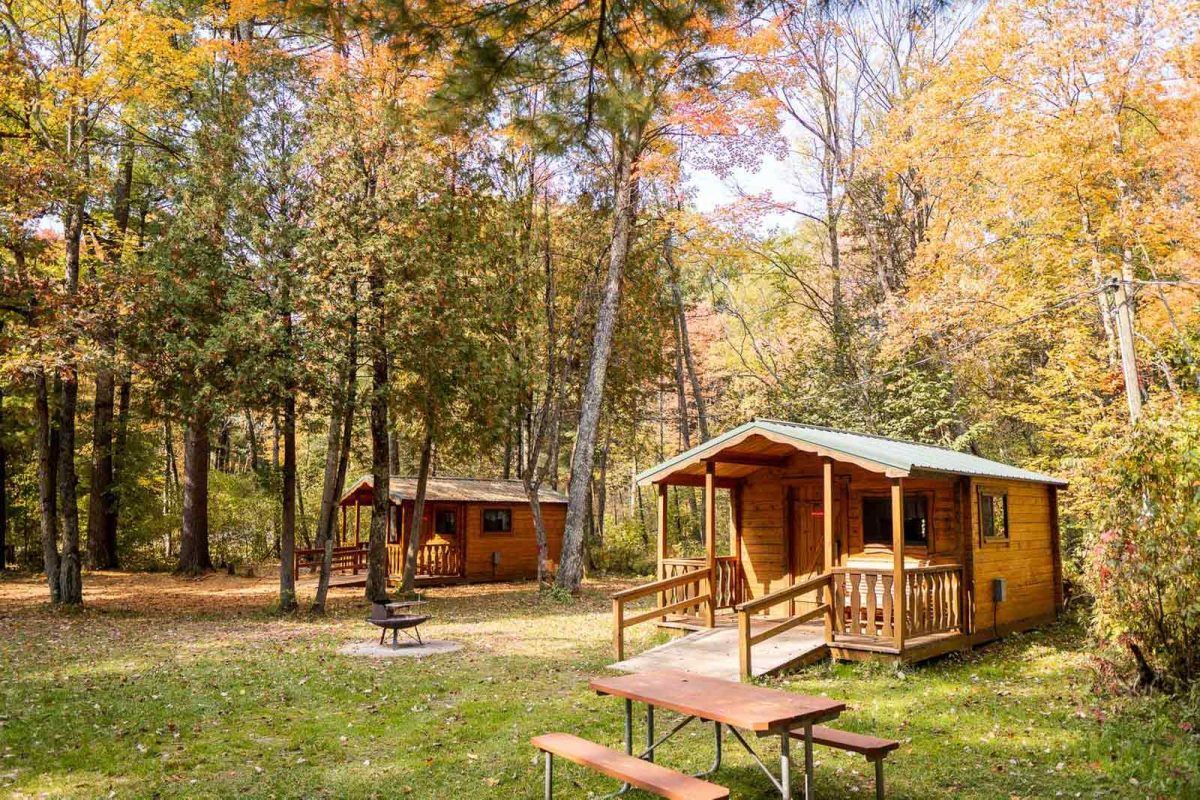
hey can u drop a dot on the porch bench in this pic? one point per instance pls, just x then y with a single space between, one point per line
872 747
637 772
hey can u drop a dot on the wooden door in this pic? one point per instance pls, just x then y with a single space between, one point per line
806 538
808 531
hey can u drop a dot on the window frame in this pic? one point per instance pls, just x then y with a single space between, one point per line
454 514
483 521
928 546
991 493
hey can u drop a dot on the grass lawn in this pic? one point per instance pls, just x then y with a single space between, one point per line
164 687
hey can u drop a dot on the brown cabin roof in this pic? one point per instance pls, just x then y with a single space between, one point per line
457 490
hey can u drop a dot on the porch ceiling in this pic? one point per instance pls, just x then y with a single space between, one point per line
731 463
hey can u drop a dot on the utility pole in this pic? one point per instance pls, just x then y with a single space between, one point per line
1123 309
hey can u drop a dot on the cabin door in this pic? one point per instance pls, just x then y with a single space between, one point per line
807 535
808 532
441 552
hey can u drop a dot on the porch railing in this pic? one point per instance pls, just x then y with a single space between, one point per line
439 559
934 600
700 595
727 589
345 559
746 611
863 599
434 560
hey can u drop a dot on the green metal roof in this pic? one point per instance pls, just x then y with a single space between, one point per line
888 455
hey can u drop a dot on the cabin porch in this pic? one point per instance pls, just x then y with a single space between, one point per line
878 563
440 555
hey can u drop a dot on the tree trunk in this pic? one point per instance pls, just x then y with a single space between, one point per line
393 453
101 500
252 441
380 468
337 459
602 492
685 345
570 573
414 536
70 578
3 487
194 557
120 448
48 455
287 543
685 428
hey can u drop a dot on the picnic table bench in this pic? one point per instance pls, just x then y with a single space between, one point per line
633 771
872 747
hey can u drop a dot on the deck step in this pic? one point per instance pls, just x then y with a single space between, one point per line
636 772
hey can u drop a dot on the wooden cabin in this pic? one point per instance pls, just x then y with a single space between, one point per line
898 550
472 529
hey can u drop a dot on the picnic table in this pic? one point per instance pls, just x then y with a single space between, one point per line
737 707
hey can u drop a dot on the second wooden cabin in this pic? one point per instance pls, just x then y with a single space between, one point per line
472 530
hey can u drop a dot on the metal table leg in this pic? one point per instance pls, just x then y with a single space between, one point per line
785 767
628 727
649 732
549 777
808 762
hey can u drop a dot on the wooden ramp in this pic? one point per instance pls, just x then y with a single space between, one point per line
714 652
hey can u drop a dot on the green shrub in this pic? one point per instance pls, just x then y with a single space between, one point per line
626 550
1143 563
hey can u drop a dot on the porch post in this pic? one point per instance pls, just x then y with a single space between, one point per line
735 541
357 519
662 540
710 535
898 561
827 519
341 540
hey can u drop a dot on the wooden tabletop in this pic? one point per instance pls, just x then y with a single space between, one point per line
741 705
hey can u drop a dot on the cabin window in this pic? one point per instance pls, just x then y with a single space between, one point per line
445 522
497 520
877 520
993 515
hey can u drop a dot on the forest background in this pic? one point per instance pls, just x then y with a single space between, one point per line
251 250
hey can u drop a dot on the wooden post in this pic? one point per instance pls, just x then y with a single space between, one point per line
898 561
744 645
342 536
662 541
735 540
357 520
618 630
827 510
710 535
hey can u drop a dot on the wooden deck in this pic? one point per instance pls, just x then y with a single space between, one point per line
714 651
